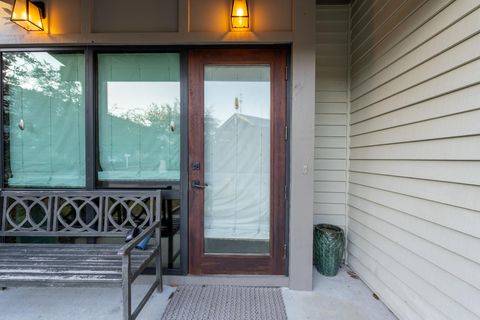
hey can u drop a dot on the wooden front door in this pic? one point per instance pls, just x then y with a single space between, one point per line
237 148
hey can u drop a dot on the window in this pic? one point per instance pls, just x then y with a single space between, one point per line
137 124
139 117
44 119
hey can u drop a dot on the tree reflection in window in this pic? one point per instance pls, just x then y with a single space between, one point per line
139 117
44 119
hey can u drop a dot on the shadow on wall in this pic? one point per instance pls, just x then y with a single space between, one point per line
363 34
6 26
5 10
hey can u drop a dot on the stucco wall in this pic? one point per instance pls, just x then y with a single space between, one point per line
414 191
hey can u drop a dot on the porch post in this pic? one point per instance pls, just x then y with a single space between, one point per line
302 145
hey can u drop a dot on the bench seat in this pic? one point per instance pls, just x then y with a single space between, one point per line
65 264
83 214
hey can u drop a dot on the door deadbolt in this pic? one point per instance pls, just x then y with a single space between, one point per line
196 165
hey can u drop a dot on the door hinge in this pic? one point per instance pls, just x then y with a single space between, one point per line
286 73
285 251
286 192
286 133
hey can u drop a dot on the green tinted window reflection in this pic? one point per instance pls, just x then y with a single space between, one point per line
139 116
44 115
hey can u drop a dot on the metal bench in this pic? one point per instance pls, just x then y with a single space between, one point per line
27 215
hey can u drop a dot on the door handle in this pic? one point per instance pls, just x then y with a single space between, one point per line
196 184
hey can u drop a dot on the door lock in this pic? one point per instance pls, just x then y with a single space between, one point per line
196 165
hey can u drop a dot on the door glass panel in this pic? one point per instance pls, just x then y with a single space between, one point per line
139 116
237 159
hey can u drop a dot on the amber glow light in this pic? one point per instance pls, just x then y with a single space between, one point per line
28 15
240 15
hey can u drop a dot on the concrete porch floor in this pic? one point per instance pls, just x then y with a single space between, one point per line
336 298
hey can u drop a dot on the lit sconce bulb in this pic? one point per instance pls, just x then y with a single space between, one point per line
24 15
240 15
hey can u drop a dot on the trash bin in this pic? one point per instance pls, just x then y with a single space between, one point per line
328 247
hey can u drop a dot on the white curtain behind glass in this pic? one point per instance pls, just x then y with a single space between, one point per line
237 152
45 92
139 116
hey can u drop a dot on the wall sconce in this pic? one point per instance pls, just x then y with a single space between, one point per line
240 16
28 14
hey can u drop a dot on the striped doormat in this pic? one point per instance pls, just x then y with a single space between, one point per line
196 302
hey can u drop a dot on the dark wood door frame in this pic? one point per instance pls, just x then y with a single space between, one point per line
275 262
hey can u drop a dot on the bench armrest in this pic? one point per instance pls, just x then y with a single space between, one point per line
128 247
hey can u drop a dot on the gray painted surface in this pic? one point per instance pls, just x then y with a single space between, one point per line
301 146
414 210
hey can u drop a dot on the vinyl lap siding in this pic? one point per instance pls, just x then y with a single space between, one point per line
331 115
414 176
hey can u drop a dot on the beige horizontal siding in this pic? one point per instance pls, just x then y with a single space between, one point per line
331 115
414 169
